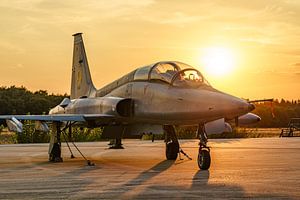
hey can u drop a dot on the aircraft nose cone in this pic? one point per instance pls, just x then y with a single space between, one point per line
251 107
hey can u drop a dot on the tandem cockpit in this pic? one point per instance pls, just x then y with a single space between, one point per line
174 73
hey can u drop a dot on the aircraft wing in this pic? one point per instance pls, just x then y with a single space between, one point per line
14 124
60 117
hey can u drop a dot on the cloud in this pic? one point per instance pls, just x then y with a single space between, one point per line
296 68
11 47
177 18
296 64
297 73
17 66
70 12
288 51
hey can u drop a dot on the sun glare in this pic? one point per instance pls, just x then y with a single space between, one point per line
218 61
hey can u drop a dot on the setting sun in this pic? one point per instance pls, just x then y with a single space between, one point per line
218 61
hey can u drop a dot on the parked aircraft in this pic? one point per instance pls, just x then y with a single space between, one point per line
153 98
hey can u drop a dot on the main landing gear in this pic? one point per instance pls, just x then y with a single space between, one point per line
172 144
204 151
55 143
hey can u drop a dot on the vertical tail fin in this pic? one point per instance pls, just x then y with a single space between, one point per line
81 84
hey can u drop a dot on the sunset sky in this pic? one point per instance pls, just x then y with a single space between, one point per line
256 44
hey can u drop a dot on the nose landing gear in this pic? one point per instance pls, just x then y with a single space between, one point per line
204 151
203 158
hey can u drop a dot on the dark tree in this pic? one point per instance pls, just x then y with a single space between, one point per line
19 100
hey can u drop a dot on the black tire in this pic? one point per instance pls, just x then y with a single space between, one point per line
172 150
204 160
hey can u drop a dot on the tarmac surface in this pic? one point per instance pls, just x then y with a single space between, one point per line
259 168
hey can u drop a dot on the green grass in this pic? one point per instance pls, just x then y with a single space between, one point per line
237 133
8 138
249 133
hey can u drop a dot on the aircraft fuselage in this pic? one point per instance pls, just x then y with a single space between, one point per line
157 103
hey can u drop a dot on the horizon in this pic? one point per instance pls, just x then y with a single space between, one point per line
67 94
249 50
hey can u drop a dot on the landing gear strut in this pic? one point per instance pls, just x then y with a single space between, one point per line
55 143
204 151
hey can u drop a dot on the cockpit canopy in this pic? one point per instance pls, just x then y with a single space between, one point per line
174 73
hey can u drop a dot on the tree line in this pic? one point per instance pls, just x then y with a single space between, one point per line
21 101
277 113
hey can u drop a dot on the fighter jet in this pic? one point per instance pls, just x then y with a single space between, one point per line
154 98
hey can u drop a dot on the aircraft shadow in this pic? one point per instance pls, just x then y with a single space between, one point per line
137 188
201 188
117 192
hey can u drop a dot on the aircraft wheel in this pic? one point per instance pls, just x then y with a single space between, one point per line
204 159
172 150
